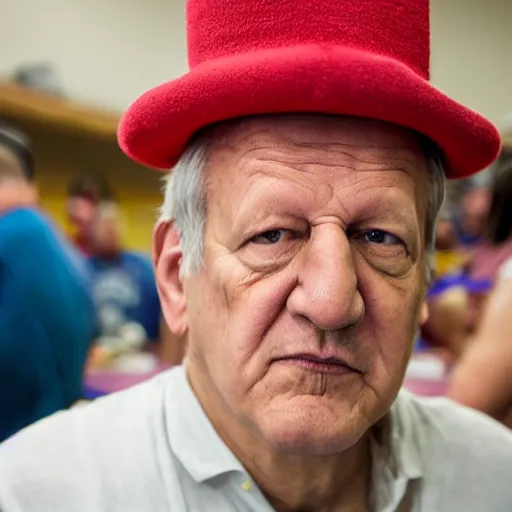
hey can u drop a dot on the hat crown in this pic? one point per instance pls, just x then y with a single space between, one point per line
399 29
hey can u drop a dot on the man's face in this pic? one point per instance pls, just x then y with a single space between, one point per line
475 210
107 237
302 320
81 214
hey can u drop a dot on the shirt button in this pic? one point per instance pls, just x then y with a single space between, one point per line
246 485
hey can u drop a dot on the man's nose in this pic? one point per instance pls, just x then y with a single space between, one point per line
327 291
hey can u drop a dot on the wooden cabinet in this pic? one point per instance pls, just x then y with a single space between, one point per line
69 137
60 115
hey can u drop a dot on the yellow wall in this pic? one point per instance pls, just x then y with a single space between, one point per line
137 213
137 189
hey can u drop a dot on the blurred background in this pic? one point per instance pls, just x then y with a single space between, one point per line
100 55
103 54
69 68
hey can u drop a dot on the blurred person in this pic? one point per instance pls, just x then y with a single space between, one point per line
449 259
471 216
125 293
483 377
296 246
465 279
496 249
85 192
444 332
445 235
46 310
497 246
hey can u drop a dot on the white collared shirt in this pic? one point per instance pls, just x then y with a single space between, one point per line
152 449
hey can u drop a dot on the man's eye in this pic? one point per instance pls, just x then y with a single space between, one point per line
377 236
269 237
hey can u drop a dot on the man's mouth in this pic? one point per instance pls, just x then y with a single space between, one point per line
319 364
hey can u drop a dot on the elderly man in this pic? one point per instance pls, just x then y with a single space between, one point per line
294 246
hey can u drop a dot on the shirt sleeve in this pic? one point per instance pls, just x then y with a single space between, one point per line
56 291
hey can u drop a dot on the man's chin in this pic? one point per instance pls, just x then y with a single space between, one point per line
312 431
312 443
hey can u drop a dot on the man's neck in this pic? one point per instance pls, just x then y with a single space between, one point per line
297 482
334 483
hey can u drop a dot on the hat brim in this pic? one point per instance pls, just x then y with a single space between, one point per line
311 78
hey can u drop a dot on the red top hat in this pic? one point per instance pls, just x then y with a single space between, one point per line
366 58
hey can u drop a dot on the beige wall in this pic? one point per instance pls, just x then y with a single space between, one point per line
471 53
106 51
109 51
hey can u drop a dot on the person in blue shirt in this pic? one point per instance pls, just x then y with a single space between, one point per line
46 308
125 293
123 283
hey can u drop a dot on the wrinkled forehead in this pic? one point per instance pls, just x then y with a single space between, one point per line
317 144
311 129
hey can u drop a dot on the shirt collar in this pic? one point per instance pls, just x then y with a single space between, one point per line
396 462
394 441
192 437
204 455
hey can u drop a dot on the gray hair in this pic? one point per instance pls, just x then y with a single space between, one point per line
185 202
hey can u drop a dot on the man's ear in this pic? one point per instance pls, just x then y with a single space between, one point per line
167 258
